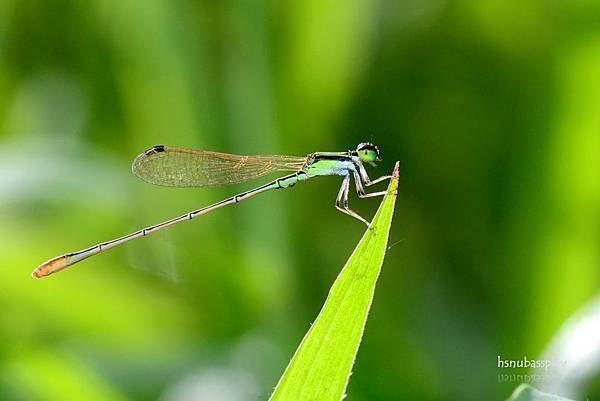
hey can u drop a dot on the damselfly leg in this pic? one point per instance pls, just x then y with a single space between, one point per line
341 203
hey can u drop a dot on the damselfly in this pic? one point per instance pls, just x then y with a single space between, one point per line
187 167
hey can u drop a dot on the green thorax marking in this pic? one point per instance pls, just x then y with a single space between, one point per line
329 163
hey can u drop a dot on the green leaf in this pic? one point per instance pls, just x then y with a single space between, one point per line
527 393
321 366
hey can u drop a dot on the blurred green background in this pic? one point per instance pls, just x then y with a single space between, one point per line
492 108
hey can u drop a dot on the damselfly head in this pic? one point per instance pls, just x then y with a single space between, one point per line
368 153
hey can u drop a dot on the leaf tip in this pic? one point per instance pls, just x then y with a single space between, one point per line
396 172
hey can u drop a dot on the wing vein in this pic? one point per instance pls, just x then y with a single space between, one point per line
188 167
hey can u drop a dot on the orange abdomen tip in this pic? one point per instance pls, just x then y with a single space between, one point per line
51 266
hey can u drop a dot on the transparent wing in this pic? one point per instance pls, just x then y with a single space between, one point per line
187 167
